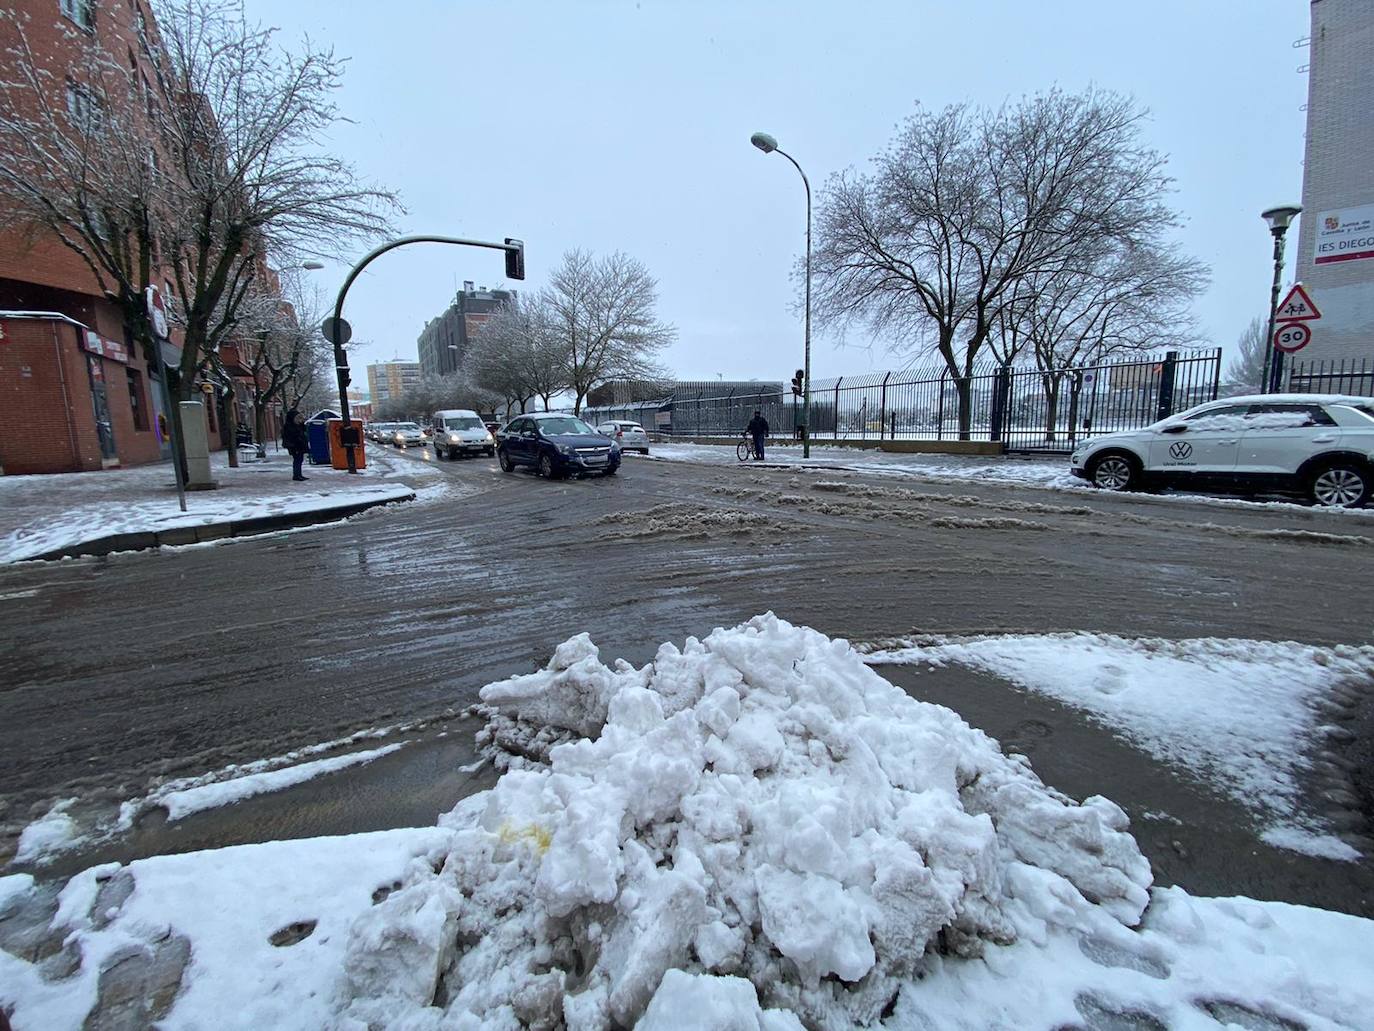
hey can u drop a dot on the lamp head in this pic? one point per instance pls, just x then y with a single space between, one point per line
764 142
1280 217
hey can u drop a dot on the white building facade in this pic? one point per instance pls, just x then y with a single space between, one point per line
1335 259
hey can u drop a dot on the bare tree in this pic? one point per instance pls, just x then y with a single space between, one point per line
281 347
187 174
519 355
435 393
965 206
602 312
1122 299
1245 373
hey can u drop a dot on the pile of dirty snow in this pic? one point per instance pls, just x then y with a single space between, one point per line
759 811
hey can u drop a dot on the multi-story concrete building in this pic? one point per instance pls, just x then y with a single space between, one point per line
444 341
389 381
1335 260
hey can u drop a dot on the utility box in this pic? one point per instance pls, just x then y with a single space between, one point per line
338 454
196 443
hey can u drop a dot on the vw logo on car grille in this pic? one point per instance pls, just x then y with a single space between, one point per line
1181 449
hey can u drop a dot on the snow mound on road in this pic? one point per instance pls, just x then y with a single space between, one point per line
758 809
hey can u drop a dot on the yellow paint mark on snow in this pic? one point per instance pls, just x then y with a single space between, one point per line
532 834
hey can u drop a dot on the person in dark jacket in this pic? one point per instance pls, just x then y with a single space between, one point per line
758 429
296 442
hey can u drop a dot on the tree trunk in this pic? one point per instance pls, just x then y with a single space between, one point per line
1052 383
231 420
963 389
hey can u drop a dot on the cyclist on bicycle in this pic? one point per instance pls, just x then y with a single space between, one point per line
758 430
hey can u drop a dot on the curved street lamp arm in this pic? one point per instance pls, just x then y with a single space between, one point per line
340 358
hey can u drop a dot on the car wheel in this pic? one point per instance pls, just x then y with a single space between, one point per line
490 452
612 470
438 453
1114 471
1340 484
546 468
506 464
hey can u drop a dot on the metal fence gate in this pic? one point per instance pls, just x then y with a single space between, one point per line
1338 376
1025 408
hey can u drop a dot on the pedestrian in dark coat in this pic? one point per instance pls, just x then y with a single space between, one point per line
296 441
758 429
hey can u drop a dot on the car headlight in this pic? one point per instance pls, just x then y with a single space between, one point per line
453 438
563 449
615 448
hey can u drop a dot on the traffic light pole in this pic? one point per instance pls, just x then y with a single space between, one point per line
349 437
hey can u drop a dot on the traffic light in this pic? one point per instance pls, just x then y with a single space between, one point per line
515 259
798 386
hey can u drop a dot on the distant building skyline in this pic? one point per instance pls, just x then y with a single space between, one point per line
388 381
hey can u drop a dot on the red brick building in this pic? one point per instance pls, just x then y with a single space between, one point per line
76 392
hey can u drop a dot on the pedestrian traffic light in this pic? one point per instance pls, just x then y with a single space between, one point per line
798 386
515 259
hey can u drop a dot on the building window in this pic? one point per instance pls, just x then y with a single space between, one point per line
84 109
80 11
138 404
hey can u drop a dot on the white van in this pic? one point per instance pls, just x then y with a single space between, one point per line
460 431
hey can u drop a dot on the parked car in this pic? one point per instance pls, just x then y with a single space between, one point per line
459 431
406 434
629 435
380 431
1317 445
556 445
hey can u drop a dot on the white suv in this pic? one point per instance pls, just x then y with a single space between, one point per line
1320 445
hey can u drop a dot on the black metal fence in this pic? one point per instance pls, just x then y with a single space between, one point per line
1336 376
1025 408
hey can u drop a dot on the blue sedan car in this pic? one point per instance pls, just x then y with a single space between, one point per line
557 445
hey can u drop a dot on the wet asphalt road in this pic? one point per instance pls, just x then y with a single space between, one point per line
116 672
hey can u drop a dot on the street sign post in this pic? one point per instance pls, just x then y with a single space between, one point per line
1297 307
1292 336
345 330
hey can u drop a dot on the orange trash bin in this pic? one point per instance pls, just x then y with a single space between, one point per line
338 454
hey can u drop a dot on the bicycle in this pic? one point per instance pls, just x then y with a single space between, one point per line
744 450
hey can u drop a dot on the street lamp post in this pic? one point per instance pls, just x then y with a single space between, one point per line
768 145
349 437
1279 219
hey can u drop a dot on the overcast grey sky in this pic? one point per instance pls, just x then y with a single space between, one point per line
625 126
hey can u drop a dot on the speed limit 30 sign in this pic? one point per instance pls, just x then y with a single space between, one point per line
1292 336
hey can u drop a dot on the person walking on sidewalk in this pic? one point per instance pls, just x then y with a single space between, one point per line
758 429
296 442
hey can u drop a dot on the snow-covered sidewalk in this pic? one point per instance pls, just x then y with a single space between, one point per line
43 514
1052 473
1041 473
753 831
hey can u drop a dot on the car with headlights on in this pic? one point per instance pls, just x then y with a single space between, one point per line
557 445
1320 446
459 432
406 434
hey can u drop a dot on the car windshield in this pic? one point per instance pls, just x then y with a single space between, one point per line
560 424
407 427
464 422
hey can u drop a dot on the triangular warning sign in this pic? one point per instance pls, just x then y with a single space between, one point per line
1297 306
